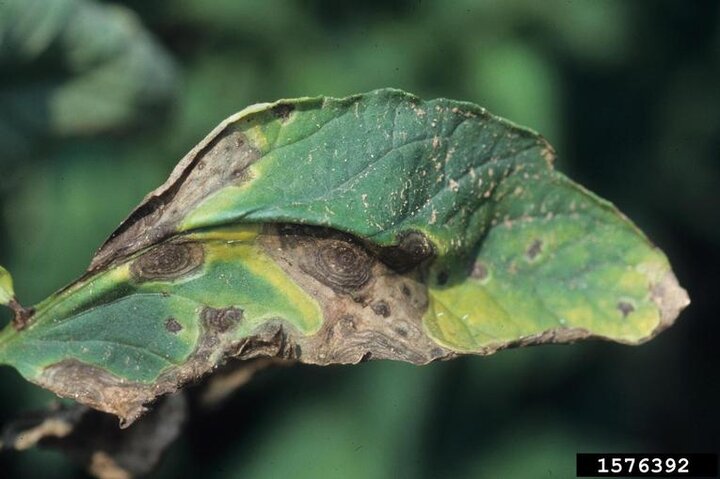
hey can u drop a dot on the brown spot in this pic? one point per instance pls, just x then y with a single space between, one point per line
342 265
381 308
168 261
402 332
221 319
479 271
406 291
625 308
412 249
534 249
173 326
282 110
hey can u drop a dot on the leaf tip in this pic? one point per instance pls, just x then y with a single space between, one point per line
670 298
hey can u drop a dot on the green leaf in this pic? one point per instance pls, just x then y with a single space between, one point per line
339 230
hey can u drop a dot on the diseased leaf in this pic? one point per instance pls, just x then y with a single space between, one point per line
377 226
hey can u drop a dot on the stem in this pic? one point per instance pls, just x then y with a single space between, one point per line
22 315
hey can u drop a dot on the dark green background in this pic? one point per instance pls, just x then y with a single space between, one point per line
629 94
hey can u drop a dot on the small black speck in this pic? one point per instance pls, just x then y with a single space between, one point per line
535 249
381 308
173 326
442 278
625 308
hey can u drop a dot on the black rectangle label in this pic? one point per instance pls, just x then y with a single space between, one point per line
647 465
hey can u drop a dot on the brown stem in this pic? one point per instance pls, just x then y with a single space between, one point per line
22 315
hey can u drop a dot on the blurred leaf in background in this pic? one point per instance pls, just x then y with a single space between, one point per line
76 67
625 91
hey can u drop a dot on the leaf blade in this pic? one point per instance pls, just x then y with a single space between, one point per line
338 230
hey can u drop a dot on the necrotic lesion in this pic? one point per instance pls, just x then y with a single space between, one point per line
341 265
168 261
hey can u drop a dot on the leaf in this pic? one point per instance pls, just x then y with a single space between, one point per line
78 67
324 230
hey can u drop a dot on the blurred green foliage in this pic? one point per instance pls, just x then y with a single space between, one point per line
626 91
